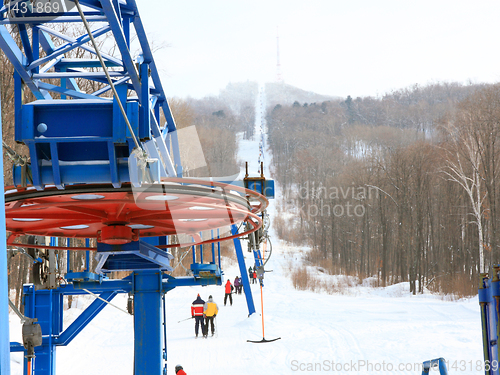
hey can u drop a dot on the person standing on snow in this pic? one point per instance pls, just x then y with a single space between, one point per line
236 284
179 370
241 285
229 291
250 273
197 313
210 311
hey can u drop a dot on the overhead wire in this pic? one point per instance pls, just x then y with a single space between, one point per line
103 300
180 261
19 160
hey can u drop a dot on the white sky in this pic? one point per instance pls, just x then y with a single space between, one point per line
334 47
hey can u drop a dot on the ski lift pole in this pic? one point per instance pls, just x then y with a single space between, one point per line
243 271
87 255
259 264
262 310
218 247
164 334
262 314
213 246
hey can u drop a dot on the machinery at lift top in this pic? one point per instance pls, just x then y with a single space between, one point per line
105 169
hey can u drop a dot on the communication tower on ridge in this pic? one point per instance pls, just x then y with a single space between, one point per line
279 76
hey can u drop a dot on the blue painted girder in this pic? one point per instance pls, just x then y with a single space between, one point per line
136 255
139 75
488 293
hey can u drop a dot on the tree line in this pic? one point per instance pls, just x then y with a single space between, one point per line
401 188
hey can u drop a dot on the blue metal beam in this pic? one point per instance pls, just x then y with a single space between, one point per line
162 148
136 253
16 57
172 136
51 19
82 63
65 337
47 307
148 288
25 40
489 291
147 322
68 47
439 363
90 174
108 87
4 285
243 271
125 285
43 39
68 92
148 58
75 74
121 41
85 47
84 319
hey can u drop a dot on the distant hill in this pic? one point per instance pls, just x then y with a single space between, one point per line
282 93
240 95
243 94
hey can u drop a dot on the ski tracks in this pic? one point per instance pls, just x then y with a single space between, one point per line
317 338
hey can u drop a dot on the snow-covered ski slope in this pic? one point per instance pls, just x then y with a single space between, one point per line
363 331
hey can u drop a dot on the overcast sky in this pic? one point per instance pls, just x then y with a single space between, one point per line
334 47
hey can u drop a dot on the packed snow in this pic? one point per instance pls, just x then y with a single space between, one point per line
374 325
359 330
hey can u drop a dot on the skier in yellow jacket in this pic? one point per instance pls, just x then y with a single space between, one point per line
210 311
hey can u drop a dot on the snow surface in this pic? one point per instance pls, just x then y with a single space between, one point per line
380 326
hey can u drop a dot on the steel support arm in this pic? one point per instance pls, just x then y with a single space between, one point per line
68 47
4 287
15 55
243 271
84 319
116 28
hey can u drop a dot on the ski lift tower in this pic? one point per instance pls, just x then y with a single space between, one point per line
101 166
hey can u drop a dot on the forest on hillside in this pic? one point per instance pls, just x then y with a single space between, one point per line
404 187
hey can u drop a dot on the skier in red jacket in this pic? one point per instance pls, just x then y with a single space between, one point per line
197 313
229 290
179 370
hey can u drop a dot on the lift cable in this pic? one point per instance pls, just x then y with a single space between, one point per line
16 158
19 160
264 247
180 260
19 314
109 303
110 81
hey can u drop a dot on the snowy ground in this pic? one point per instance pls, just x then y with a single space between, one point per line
363 331
374 325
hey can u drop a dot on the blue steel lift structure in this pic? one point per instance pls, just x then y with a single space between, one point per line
489 302
87 141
